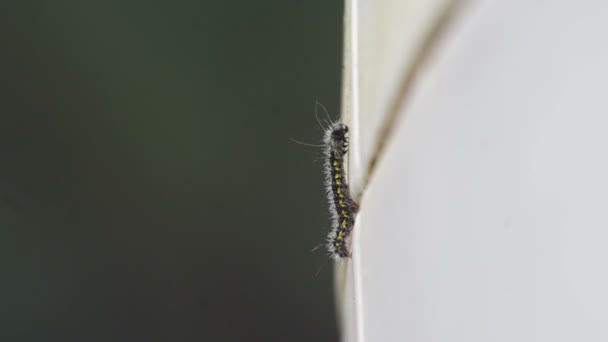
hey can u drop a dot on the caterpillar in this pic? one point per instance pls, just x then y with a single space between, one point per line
342 207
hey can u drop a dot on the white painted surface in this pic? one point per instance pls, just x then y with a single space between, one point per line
389 32
487 218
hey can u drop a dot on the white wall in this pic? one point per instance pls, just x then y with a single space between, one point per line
486 218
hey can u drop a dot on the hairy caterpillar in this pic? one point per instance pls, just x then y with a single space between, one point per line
342 208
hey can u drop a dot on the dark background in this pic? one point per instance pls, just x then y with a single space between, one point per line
148 187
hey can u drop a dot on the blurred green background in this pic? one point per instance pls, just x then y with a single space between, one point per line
148 187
